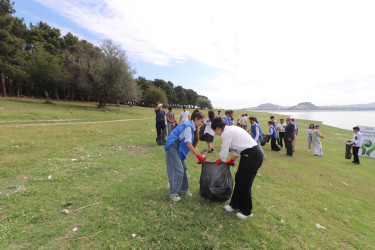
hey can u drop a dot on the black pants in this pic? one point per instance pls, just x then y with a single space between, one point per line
289 147
281 138
274 147
250 162
355 154
160 125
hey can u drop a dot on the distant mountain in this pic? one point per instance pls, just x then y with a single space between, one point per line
268 106
304 106
310 106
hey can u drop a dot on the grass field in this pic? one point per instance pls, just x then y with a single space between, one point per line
106 169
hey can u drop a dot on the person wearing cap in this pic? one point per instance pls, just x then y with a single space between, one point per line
243 145
356 141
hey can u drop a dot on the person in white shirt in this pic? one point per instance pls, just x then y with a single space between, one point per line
356 141
309 135
281 129
208 132
185 115
241 144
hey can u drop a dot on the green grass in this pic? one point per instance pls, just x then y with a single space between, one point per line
121 171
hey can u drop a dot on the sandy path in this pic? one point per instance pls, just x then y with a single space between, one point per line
74 123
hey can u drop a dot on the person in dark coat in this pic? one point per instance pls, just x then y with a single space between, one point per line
289 136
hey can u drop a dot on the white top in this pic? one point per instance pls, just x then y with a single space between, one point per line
185 116
281 127
186 133
357 139
244 120
270 131
208 128
236 139
256 133
309 131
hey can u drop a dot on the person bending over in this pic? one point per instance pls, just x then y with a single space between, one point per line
243 145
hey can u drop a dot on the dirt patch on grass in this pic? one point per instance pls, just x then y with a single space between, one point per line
136 150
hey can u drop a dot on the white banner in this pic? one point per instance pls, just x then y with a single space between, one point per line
368 141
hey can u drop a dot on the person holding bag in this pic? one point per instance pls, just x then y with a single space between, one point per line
178 145
251 159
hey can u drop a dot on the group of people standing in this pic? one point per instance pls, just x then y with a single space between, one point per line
183 138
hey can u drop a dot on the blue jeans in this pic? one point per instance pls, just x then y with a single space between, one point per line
170 127
177 170
309 140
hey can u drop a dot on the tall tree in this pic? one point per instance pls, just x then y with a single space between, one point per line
181 95
154 95
191 97
203 102
10 45
46 71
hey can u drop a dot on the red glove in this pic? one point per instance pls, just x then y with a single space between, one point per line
229 161
201 158
174 122
267 135
321 137
353 143
218 162
248 130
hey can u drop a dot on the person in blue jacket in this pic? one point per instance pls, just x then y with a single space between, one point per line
273 135
256 132
177 147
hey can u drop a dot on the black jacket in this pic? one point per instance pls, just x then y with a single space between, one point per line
289 131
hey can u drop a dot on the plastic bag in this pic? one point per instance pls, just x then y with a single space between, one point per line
265 140
216 183
162 138
348 153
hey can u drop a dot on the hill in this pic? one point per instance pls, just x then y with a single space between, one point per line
267 106
304 106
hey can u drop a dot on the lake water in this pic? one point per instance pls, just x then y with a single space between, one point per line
340 119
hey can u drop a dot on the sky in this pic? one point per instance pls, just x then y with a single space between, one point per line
239 53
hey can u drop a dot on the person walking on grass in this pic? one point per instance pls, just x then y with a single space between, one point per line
161 119
243 145
208 132
317 145
281 129
356 142
171 120
273 135
309 135
256 132
185 115
289 136
177 147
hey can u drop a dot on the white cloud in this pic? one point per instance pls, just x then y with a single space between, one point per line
269 51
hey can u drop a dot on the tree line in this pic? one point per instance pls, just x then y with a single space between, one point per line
37 61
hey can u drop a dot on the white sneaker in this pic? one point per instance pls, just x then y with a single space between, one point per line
175 197
242 216
229 208
187 193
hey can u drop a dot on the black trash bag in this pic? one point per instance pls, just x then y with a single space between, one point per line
162 138
348 153
266 138
216 183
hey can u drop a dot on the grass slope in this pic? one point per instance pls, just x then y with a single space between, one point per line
51 155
